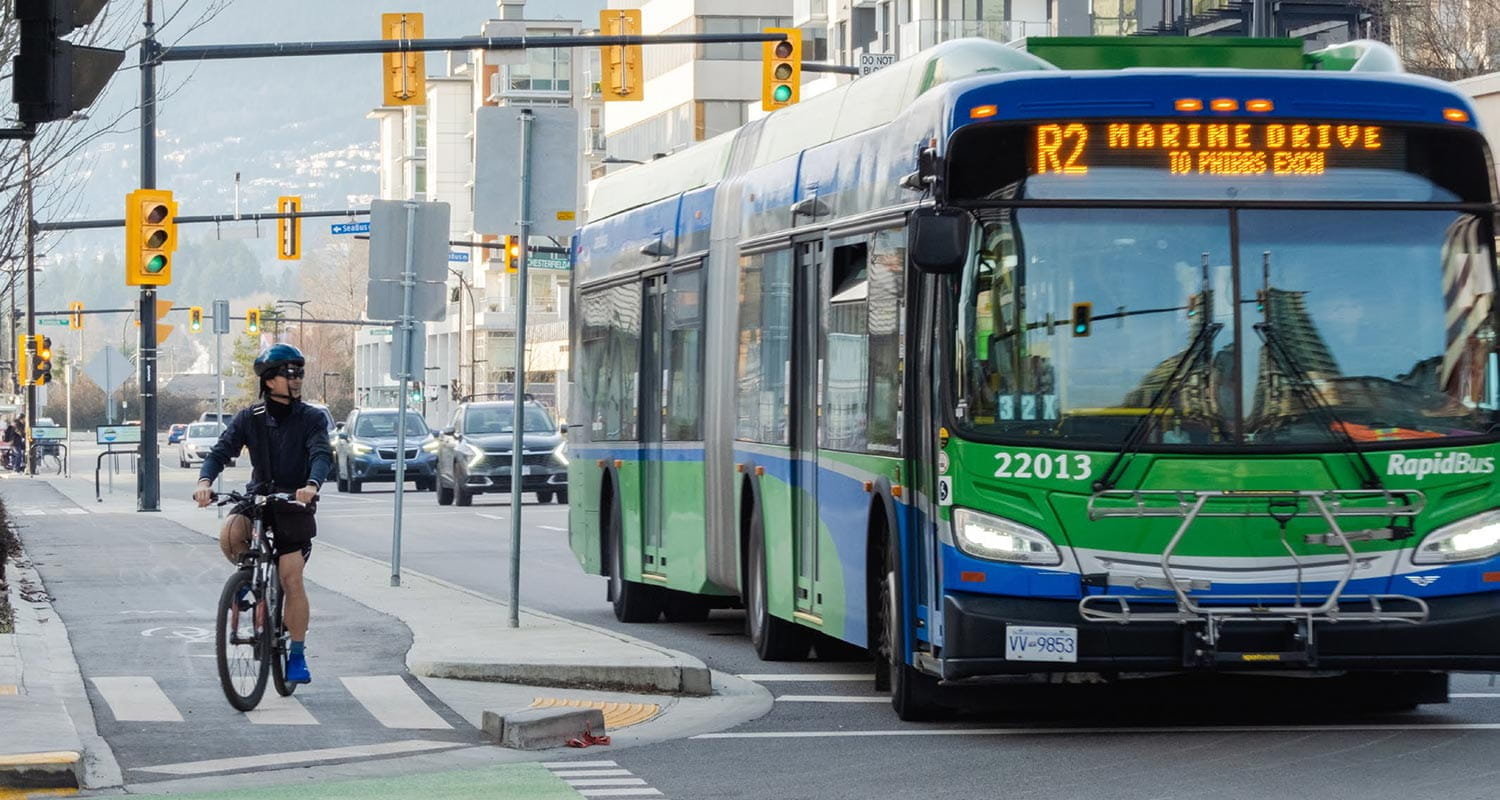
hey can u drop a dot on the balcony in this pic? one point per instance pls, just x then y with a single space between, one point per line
922 34
806 13
593 141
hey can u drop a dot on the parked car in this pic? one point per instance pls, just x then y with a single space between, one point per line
174 433
474 453
199 439
365 450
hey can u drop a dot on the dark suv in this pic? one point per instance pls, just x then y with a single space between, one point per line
365 449
474 453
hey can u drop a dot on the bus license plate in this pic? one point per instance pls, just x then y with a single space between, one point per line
1028 643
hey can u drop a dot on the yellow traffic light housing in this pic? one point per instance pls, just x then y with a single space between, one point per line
1083 319
252 321
41 367
404 74
624 77
512 254
75 315
781 70
150 237
195 318
23 360
288 229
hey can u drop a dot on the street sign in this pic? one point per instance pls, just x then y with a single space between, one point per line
380 331
108 369
340 228
49 433
117 434
418 351
554 171
874 62
389 243
463 257
221 316
555 261
63 321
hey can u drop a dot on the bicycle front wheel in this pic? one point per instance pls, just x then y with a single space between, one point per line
241 642
281 643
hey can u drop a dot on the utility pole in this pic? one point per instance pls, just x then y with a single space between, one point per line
30 304
518 421
148 477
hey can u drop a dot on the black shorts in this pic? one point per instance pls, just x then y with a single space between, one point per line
289 528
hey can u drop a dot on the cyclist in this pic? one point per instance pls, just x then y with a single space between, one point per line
289 452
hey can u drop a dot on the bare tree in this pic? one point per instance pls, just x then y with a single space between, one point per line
1448 39
334 277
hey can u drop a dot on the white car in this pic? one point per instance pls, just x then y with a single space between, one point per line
199 439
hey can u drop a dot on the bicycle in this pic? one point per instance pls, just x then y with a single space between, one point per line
246 654
47 457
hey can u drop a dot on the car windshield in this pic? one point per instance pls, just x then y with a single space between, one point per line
204 430
499 419
1073 322
383 425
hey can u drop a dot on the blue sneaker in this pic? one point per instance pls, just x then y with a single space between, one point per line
296 670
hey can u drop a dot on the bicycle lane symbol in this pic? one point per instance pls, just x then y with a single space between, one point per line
186 633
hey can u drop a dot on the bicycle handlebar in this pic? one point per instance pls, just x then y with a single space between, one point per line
225 498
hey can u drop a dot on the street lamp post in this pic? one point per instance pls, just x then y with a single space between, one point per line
302 320
473 323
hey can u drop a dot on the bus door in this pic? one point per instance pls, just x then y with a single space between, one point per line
653 421
806 402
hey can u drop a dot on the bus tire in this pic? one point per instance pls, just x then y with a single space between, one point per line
914 694
633 602
774 639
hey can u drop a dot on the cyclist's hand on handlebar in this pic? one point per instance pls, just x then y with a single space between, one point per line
307 494
204 495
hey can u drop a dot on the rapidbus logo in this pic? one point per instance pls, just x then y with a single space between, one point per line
1439 464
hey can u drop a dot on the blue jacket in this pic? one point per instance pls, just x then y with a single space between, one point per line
299 451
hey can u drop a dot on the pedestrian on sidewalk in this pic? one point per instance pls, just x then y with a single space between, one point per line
289 453
15 442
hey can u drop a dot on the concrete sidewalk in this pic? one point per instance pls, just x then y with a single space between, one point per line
457 634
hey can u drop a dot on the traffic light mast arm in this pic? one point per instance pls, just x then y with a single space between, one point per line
462 43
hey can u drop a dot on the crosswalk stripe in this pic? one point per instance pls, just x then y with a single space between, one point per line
393 703
592 773
811 677
75 511
578 783
136 699
277 710
644 791
578 764
300 757
831 698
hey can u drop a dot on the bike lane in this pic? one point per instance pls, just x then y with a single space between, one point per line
137 594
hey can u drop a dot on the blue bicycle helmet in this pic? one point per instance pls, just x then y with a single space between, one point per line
274 357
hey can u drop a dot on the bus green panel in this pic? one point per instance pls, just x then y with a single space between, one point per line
780 526
843 537
585 480
629 475
683 541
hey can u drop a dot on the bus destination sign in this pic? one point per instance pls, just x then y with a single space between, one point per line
1214 148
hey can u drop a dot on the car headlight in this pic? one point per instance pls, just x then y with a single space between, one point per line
984 536
361 449
431 445
1471 539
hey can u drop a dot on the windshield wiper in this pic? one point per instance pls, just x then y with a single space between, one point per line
1201 343
1311 398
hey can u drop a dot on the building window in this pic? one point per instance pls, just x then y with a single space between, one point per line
545 70
736 51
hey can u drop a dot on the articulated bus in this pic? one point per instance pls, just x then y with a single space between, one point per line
1006 363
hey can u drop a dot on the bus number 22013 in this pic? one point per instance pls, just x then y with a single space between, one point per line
1072 466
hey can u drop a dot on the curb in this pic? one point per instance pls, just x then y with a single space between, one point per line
692 681
52 770
38 711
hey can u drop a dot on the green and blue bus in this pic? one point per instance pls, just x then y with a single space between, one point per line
1009 363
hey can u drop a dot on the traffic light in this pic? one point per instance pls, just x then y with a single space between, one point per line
23 361
41 364
781 70
404 74
511 253
54 77
195 318
1083 319
252 321
624 78
150 237
288 229
75 315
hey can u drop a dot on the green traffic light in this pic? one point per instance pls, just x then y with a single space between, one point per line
156 264
782 94
1080 328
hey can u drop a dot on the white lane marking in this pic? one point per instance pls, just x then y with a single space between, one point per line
645 791
578 764
553 528
831 698
578 783
488 516
75 511
1474 694
391 701
277 710
1437 726
593 773
794 677
136 699
300 757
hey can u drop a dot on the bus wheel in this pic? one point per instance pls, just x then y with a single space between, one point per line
775 639
913 693
633 602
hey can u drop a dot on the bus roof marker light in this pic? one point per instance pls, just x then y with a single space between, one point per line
1188 104
1224 104
983 112
1455 115
1259 106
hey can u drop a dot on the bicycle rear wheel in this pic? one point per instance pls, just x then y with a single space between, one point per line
241 643
280 644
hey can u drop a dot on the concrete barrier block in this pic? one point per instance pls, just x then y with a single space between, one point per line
541 728
493 725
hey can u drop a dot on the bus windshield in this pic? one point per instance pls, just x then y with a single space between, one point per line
1072 322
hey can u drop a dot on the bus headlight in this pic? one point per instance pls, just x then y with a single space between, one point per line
996 539
1471 539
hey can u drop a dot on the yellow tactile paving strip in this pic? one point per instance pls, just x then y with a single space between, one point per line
616 715
21 794
8 689
38 759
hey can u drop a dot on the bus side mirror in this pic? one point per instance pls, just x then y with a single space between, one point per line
938 239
